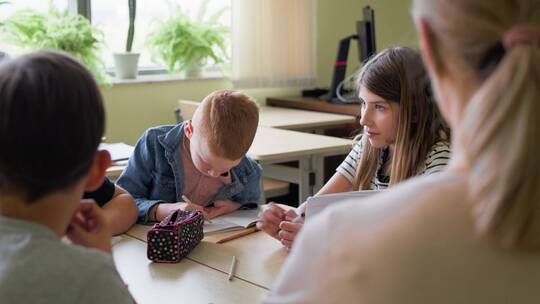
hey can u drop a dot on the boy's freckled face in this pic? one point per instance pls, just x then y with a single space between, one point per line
205 161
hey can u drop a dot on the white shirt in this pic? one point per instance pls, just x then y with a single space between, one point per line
414 243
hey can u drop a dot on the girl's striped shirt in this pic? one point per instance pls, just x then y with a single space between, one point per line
437 159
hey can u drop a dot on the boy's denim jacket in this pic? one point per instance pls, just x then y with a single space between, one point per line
155 173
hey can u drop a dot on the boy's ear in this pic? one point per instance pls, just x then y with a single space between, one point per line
188 128
102 161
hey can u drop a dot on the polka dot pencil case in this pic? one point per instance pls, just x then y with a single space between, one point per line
174 237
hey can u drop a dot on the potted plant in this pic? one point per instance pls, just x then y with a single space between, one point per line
126 63
185 45
71 33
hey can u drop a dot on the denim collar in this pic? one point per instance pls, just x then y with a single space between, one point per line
172 143
172 140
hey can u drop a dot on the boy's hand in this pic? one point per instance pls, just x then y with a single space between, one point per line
289 229
221 207
89 228
270 219
165 209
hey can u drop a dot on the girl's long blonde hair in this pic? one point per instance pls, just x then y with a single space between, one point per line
502 123
398 75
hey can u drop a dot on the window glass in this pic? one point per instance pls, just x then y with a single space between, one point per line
9 8
112 18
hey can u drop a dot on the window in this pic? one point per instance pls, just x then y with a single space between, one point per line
112 18
273 43
274 40
11 7
8 9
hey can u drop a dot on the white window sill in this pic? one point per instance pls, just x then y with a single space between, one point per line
159 78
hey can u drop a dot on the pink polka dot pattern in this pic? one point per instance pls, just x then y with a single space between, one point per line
174 237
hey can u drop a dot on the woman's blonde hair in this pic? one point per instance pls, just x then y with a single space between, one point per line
398 75
501 120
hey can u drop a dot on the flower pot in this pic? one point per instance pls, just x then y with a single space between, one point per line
126 65
3 56
194 70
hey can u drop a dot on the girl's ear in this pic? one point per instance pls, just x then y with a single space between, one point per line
426 43
101 163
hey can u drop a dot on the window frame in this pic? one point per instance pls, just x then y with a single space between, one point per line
84 8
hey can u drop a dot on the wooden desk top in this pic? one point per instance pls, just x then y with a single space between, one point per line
184 282
293 119
259 256
313 104
278 144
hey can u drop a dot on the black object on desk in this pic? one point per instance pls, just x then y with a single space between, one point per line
365 35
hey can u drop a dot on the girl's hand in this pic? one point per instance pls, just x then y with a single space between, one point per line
290 228
270 219
89 228
221 207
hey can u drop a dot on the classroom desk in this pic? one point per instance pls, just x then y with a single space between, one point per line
185 282
282 117
301 120
259 256
313 104
272 145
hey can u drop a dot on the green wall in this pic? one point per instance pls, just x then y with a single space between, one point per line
132 108
337 20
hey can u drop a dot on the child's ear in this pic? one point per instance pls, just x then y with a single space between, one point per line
102 161
188 129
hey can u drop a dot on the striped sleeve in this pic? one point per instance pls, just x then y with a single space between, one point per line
348 166
438 158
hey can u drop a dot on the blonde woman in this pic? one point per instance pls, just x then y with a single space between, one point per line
472 233
403 135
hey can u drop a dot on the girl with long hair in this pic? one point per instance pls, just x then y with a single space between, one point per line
403 135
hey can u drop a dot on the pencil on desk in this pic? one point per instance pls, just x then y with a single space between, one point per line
237 235
231 269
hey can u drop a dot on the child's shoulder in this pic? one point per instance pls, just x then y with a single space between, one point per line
155 132
70 265
439 148
248 166
167 135
78 257
45 255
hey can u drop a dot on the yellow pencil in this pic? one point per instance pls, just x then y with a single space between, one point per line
238 235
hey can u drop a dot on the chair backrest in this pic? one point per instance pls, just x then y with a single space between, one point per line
185 110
